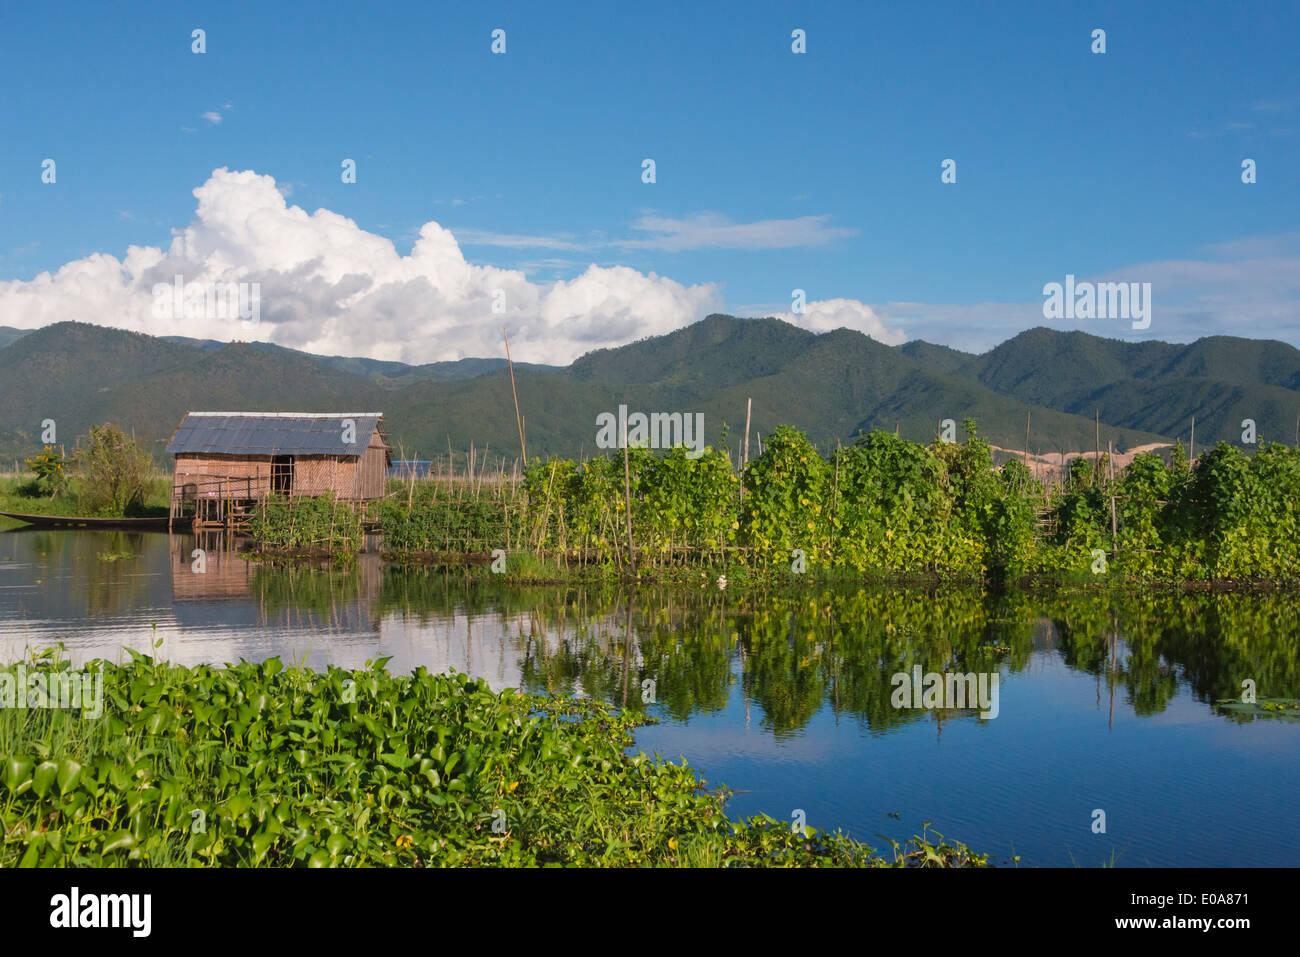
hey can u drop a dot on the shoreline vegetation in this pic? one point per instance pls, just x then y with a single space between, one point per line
884 508
107 476
261 765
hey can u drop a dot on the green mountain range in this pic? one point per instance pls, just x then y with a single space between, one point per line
831 385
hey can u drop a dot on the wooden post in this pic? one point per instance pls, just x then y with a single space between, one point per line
1096 470
1027 414
1114 527
523 449
627 497
835 498
749 404
546 512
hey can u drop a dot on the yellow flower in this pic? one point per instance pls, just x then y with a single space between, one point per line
404 840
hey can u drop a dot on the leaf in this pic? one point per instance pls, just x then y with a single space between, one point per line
69 775
17 774
118 841
43 777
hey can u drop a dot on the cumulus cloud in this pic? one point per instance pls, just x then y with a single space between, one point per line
328 286
827 314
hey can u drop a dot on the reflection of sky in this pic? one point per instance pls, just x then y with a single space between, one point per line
1190 789
1183 786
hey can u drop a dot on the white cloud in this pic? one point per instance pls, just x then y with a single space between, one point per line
1245 287
212 117
330 287
714 231
827 314
479 237
701 231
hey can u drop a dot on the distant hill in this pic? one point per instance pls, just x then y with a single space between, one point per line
1153 386
831 385
8 334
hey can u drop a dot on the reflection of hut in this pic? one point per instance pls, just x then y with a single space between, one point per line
228 461
220 573
326 599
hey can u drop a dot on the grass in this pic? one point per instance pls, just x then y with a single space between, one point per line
263 765
19 493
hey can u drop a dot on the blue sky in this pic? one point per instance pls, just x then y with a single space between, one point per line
775 171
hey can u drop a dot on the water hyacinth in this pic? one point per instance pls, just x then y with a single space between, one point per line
263 765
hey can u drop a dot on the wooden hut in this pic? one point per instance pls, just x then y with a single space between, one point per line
226 462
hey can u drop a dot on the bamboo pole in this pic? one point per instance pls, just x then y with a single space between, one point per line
546 512
1096 471
1027 414
1114 527
627 498
835 499
523 450
749 405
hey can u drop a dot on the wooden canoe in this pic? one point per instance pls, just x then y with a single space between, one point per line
72 521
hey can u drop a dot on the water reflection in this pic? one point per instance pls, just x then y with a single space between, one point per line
1106 699
676 651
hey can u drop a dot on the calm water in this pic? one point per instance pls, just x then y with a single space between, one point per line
1103 703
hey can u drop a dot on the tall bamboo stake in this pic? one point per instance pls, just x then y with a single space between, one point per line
518 418
1114 527
627 498
749 405
1096 471
1027 414
835 498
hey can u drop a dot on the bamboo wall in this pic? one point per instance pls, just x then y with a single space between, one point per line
248 477
371 474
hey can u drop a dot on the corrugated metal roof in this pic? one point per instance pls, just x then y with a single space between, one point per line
273 433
